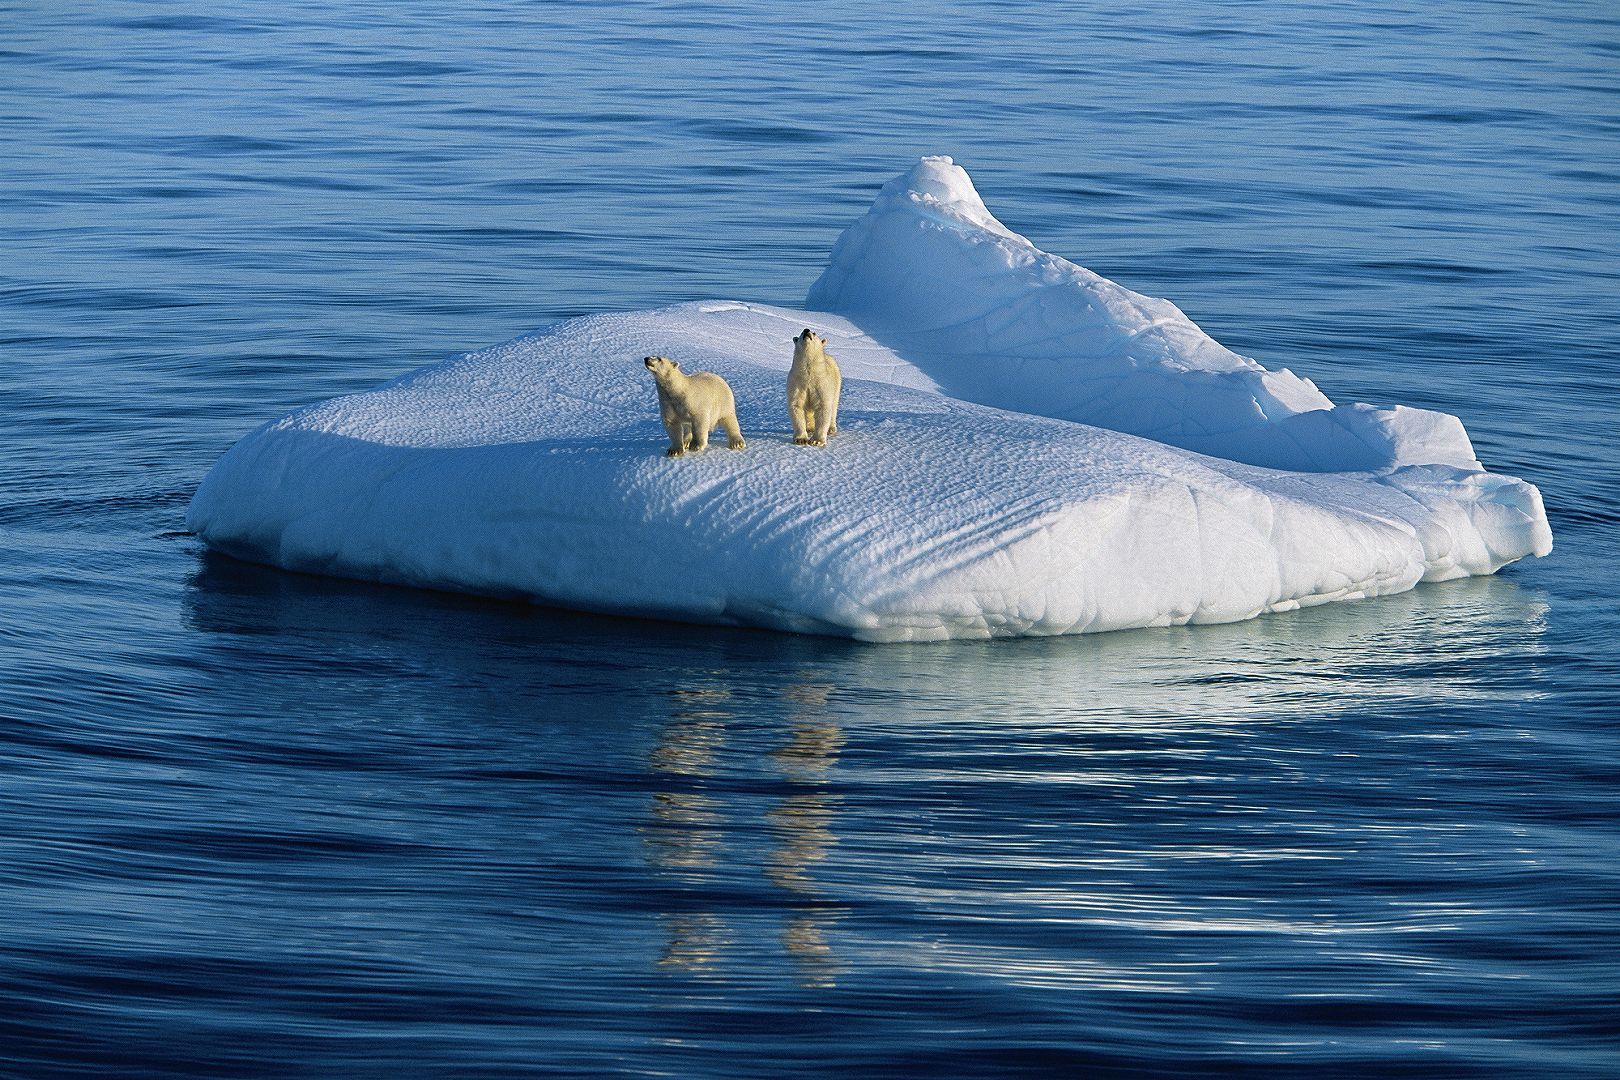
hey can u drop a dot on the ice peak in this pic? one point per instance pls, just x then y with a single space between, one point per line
938 183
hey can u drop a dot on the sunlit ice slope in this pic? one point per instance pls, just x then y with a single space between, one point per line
993 319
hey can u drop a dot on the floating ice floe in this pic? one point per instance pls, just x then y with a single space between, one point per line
1024 448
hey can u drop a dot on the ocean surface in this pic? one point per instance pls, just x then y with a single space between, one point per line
263 825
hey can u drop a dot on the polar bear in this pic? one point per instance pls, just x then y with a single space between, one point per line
692 406
814 383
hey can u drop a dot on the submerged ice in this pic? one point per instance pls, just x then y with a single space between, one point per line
1024 447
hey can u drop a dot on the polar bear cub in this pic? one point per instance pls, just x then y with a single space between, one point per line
814 383
692 406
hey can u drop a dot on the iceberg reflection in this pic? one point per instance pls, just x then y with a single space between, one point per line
1108 794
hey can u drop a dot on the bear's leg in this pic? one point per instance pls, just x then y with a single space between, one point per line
828 415
734 439
801 426
702 424
677 435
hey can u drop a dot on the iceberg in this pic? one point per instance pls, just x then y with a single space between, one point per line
1024 448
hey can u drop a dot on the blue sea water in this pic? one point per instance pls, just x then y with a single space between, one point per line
263 825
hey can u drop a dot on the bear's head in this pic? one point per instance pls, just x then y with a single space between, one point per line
808 342
660 366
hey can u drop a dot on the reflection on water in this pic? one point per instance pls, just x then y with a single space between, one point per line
1416 644
1151 782
695 940
801 824
687 831
685 834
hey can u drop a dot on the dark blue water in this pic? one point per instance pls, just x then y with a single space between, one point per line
257 824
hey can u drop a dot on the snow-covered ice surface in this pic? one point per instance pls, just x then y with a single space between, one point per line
1024 448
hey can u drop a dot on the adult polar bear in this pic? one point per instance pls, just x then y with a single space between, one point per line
814 383
693 405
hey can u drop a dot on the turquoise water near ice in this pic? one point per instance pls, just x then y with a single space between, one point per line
259 824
